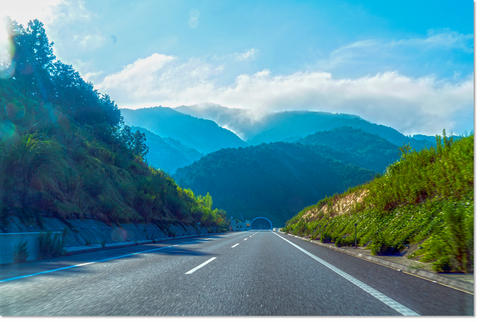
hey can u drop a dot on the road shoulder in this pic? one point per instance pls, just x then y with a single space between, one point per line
449 280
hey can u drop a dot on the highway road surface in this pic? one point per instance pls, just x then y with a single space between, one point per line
235 274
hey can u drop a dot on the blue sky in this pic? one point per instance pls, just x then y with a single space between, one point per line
407 64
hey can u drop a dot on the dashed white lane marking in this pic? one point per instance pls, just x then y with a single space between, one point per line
370 290
235 245
245 238
89 263
84 264
199 266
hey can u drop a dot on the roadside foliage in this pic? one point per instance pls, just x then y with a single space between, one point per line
65 152
422 207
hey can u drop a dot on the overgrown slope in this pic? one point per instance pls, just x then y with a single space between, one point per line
65 152
423 206
355 146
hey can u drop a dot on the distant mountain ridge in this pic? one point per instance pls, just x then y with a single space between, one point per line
166 153
203 135
290 126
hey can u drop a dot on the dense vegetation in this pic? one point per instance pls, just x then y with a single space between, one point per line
356 147
65 152
422 206
273 180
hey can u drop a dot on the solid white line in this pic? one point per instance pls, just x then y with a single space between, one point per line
370 290
235 245
199 266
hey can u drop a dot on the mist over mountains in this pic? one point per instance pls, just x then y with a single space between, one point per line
293 125
203 135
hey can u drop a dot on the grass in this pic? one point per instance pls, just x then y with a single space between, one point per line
425 199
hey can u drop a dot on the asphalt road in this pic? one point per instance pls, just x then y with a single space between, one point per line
235 274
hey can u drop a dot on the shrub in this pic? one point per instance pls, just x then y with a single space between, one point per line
50 246
425 199
20 254
443 264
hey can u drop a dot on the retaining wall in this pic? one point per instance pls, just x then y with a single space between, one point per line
10 244
85 232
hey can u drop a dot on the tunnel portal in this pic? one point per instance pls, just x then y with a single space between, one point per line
261 223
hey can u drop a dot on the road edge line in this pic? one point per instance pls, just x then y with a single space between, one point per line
464 287
391 303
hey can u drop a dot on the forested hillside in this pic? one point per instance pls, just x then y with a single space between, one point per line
356 147
422 207
274 180
65 152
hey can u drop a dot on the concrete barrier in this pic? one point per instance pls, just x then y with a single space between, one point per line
11 242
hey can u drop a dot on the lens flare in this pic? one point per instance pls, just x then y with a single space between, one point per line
7 66
7 130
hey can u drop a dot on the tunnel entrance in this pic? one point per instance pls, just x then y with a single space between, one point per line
261 223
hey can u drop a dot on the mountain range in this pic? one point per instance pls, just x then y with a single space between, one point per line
203 135
293 125
166 153
271 166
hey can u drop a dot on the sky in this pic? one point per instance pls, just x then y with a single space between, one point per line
405 64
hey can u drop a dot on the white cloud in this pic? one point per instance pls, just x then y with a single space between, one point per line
422 53
443 39
139 78
90 41
193 18
412 105
47 11
247 55
24 10
92 76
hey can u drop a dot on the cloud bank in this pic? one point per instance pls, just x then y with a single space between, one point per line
411 105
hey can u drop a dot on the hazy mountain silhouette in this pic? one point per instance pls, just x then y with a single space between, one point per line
203 135
290 126
167 154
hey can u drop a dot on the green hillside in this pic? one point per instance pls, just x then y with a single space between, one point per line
65 152
422 208
274 180
356 147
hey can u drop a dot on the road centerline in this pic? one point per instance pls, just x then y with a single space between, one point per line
193 270
235 245
370 290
